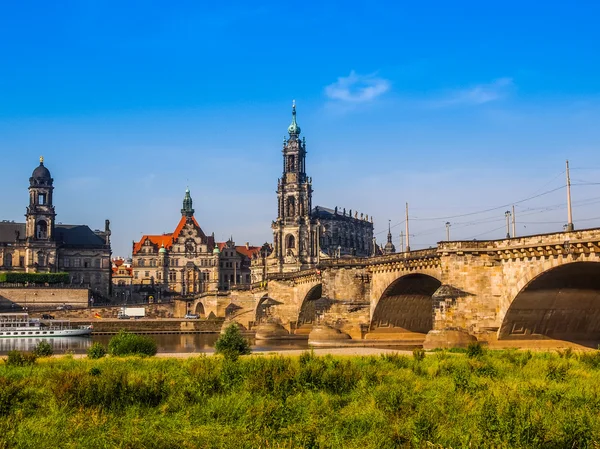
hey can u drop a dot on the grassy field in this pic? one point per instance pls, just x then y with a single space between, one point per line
497 399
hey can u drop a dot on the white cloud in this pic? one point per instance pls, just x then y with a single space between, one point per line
478 94
356 88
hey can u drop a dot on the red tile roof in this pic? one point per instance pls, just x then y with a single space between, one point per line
245 251
168 239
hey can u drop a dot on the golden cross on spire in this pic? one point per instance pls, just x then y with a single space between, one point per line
41 159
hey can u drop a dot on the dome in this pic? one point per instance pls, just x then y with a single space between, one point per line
216 250
294 129
162 250
41 172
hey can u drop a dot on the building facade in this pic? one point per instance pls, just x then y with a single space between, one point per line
40 245
189 262
303 235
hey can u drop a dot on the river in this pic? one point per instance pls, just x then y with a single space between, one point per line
167 343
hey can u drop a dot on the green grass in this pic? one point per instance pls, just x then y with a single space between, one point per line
504 399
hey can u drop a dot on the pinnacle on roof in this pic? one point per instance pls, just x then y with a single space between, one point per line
294 129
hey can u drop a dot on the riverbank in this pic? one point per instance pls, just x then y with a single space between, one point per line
488 399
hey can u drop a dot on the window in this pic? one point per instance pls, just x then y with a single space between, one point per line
147 274
41 259
77 261
135 274
86 263
42 229
66 262
8 260
291 241
42 199
21 261
140 262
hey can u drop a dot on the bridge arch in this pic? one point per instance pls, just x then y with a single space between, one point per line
311 306
561 302
406 304
199 309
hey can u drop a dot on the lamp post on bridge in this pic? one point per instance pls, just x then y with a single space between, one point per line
507 215
448 231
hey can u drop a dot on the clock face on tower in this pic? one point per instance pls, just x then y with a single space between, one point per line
291 177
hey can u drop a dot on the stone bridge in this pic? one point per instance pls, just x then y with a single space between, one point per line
541 286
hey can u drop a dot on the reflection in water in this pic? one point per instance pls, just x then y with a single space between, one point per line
60 344
167 343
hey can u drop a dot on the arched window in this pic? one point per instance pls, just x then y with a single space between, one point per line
291 163
41 259
291 206
290 242
42 229
8 260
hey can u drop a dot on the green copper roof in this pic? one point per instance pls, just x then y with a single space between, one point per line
294 129
216 250
187 209
162 249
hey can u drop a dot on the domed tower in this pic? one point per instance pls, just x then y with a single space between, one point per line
40 213
39 224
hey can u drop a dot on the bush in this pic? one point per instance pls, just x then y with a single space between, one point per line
18 358
474 350
125 343
232 344
96 351
419 354
43 349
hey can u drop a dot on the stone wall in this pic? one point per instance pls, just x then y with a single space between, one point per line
89 313
42 298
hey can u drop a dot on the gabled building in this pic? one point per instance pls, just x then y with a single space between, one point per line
187 261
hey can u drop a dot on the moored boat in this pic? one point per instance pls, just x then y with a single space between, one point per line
19 325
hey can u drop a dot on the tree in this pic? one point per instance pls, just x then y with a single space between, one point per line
231 344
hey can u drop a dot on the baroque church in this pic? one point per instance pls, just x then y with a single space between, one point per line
188 262
40 245
304 235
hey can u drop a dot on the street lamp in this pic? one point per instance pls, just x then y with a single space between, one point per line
448 231
507 215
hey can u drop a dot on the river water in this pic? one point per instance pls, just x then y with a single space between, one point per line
167 343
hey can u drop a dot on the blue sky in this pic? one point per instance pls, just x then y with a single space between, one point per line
455 107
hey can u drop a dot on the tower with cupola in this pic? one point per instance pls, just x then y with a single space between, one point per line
40 221
295 242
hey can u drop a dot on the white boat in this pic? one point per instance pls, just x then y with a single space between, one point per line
19 325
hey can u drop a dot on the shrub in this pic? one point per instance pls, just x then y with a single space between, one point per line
125 343
474 350
43 349
35 278
18 358
232 344
96 351
418 354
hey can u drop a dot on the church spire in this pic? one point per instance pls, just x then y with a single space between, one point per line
389 247
187 210
294 129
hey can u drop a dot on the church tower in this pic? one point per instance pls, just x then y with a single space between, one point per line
40 218
295 243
